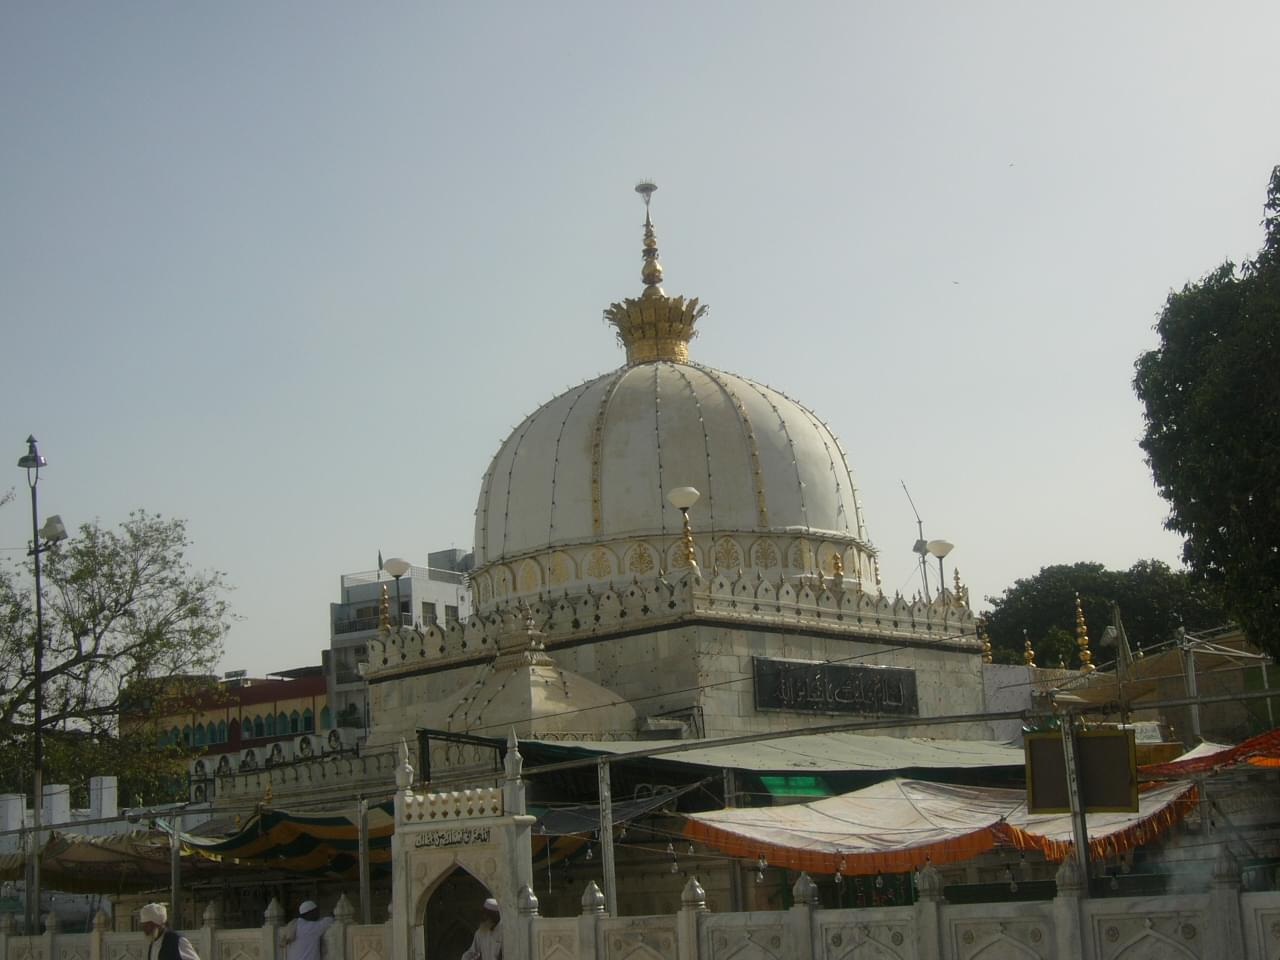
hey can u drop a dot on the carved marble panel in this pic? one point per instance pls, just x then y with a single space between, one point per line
1002 940
241 947
640 944
866 941
1170 936
124 950
367 944
734 942
556 945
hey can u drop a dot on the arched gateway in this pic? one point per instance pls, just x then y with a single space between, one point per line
483 832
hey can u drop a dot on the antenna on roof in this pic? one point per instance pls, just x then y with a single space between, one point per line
921 547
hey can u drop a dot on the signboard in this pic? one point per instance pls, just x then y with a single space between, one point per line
818 687
1107 770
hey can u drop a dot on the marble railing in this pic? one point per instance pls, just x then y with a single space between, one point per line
839 607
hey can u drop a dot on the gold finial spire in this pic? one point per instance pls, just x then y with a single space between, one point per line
651 273
1028 654
654 326
384 611
1082 640
986 640
837 566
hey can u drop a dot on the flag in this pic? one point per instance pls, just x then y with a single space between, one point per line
379 561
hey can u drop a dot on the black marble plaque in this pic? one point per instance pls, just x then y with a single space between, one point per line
834 688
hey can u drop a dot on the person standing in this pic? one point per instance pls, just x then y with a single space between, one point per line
164 944
304 936
487 944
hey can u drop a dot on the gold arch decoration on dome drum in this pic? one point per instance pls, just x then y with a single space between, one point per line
559 569
530 577
764 555
640 560
600 564
728 556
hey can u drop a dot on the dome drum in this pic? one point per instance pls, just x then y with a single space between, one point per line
573 568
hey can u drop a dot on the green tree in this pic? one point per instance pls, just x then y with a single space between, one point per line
121 606
1212 434
1153 599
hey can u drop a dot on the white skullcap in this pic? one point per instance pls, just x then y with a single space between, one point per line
491 904
154 913
306 907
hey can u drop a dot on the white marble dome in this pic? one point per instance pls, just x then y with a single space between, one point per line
577 493
592 467
594 464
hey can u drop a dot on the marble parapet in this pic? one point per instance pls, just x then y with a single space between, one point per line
810 604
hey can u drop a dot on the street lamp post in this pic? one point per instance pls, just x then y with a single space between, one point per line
939 549
398 568
682 498
53 531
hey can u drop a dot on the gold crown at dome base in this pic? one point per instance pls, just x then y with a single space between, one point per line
655 327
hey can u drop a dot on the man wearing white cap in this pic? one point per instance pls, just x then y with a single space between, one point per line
487 944
304 936
165 944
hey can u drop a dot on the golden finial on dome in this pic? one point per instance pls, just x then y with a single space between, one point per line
651 273
1028 652
654 326
1082 640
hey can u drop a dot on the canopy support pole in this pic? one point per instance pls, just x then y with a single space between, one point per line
735 868
175 874
1193 692
1266 685
606 839
362 827
1079 828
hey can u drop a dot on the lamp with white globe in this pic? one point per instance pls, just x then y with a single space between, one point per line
682 498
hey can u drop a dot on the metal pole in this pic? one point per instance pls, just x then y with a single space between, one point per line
1079 827
1266 685
175 874
37 751
1189 673
1122 660
362 827
942 582
399 605
735 868
606 839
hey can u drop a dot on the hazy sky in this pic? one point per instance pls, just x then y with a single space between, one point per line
293 270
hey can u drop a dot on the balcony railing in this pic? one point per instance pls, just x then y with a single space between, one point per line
357 624
375 576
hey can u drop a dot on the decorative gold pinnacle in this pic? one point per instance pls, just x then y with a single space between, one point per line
1028 654
686 540
651 272
654 326
986 640
1082 640
384 611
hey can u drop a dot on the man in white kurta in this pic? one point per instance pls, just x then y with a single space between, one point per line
487 944
304 937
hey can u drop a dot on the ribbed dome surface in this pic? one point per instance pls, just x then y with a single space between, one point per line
595 463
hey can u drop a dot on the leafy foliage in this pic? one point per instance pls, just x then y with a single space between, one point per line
120 606
1213 428
1153 599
